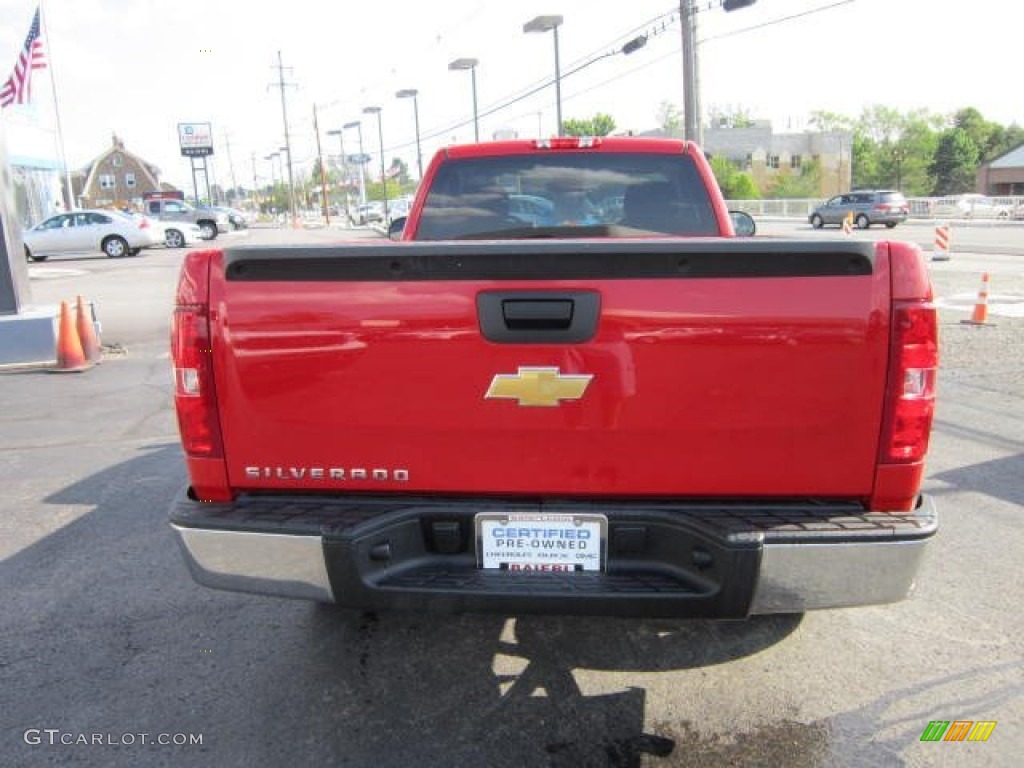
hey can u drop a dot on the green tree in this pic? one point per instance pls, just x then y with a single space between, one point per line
831 122
735 184
1006 138
731 117
725 171
744 188
670 119
598 125
803 182
955 164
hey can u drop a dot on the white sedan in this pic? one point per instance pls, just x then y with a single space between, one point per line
78 232
177 234
971 206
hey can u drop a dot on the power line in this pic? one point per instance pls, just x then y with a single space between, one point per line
654 27
779 20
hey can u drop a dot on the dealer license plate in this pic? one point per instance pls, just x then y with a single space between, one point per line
537 541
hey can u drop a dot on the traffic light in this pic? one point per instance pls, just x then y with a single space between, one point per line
735 5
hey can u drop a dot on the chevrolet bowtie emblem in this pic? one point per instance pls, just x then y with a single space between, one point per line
538 386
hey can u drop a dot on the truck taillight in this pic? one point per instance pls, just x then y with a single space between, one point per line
194 396
911 401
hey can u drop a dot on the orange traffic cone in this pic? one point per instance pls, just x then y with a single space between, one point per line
70 356
87 333
980 314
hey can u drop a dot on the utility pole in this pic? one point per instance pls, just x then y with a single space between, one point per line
691 64
287 138
691 73
320 162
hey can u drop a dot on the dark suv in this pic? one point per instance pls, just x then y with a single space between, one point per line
879 206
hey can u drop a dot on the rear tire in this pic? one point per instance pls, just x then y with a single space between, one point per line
115 247
890 224
209 230
174 239
863 222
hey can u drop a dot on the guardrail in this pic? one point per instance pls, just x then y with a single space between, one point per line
920 208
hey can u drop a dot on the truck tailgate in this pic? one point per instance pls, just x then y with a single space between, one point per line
612 368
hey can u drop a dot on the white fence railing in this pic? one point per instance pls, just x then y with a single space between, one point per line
920 208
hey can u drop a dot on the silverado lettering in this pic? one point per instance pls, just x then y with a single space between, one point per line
587 377
326 473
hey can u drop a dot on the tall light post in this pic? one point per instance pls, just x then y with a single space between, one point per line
380 143
470 64
407 93
362 155
550 24
273 176
340 133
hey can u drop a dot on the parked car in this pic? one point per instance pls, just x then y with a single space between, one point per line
76 232
369 212
398 208
173 234
879 206
971 206
180 234
237 219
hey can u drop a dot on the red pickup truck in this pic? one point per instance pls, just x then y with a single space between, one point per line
572 389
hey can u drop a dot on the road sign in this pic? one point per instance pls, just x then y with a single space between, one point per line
359 159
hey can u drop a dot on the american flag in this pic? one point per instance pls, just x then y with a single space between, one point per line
18 88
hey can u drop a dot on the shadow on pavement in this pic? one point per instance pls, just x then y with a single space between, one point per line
999 478
104 632
497 691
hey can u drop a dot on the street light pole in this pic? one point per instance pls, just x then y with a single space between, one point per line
544 24
273 179
326 208
470 64
340 133
414 94
380 142
362 154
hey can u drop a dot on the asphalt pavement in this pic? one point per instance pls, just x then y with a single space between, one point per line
108 648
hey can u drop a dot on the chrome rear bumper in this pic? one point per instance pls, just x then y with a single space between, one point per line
780 570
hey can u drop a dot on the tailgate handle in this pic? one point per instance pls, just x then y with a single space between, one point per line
550 314
538 317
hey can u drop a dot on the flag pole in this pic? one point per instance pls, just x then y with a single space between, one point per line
56 110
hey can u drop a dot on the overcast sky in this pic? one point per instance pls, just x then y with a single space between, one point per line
139 67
